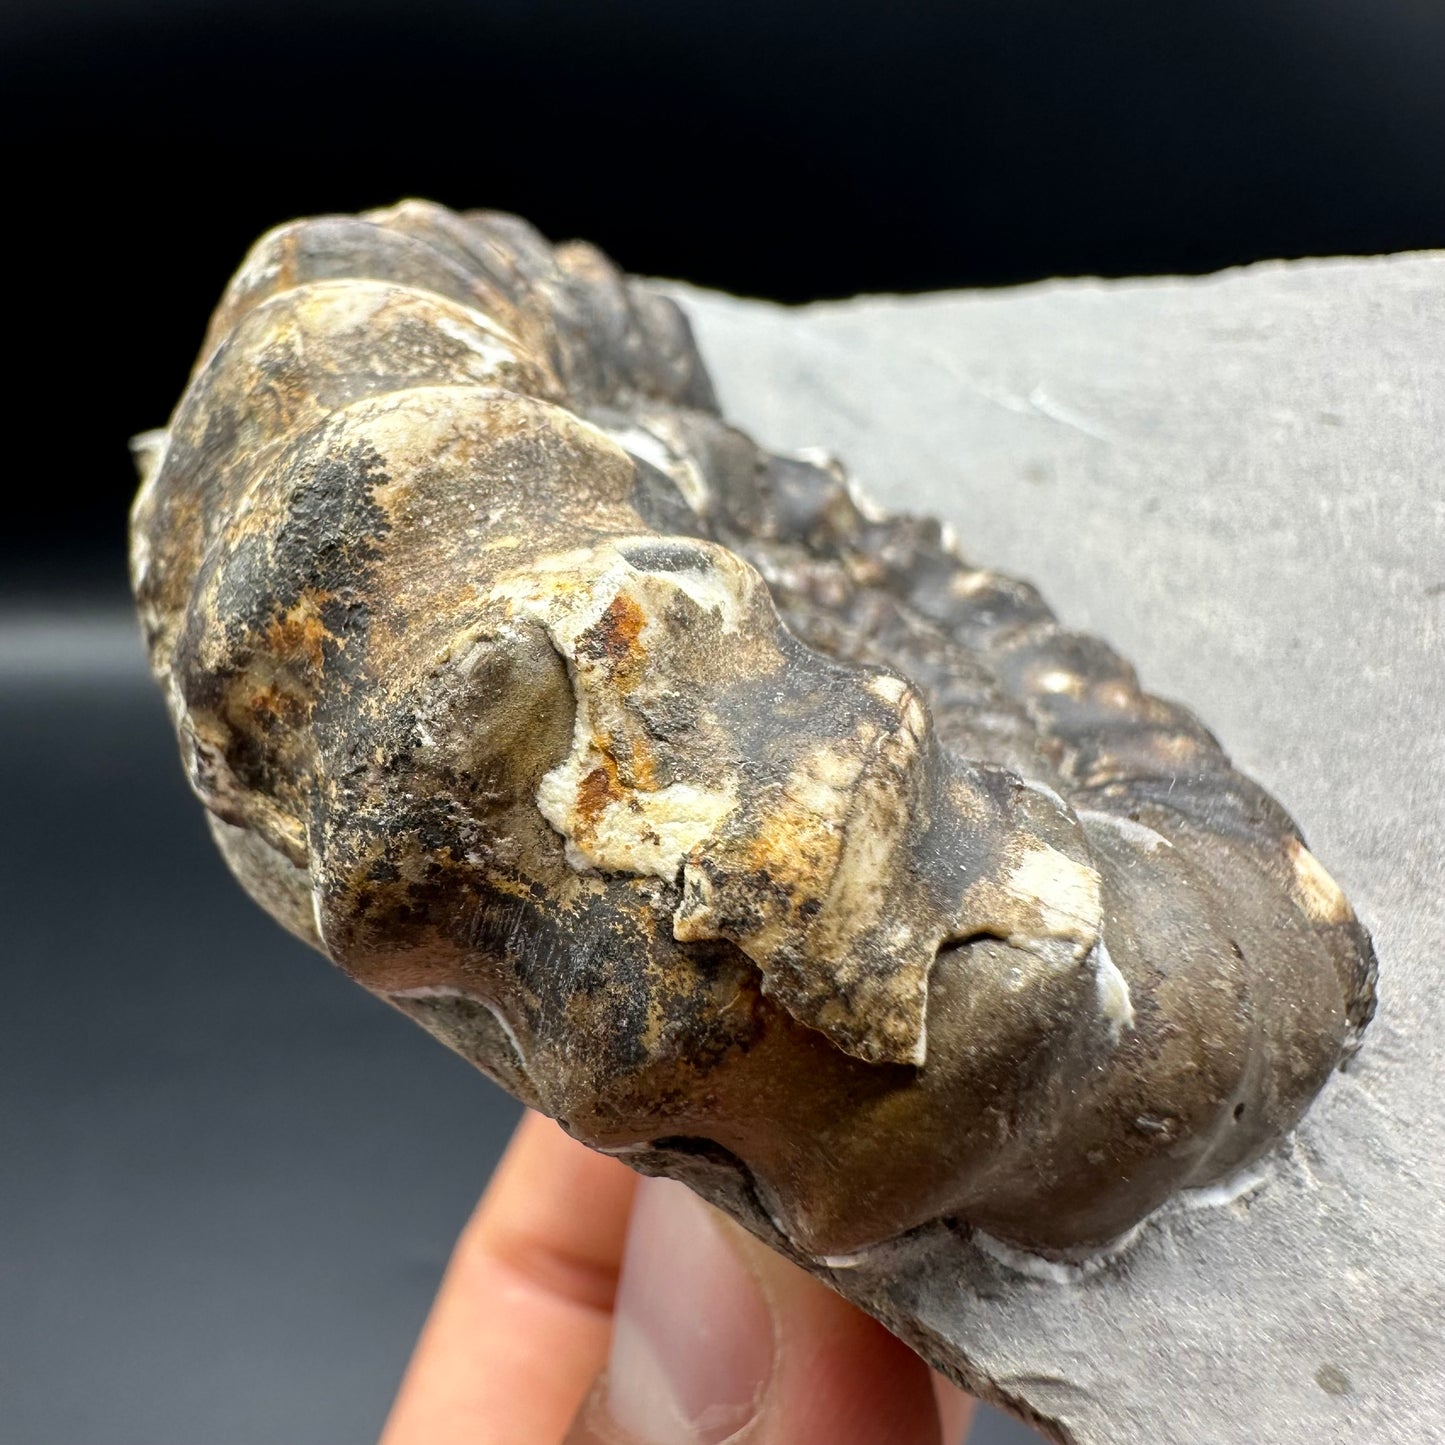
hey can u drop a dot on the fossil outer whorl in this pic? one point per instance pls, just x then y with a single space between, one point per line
704 809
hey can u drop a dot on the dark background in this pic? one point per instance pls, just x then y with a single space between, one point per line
228 1180
786 148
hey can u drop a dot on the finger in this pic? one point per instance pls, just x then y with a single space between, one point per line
521 1323
955 1410
717 1338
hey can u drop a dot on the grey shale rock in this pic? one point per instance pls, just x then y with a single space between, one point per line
1240 482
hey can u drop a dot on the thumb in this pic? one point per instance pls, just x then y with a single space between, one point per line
716 1338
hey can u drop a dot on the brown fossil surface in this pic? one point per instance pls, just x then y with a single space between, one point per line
754 835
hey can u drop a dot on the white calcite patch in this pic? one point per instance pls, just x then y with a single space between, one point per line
1315 891
1065 891
1111 989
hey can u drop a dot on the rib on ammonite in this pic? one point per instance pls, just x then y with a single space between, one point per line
752 834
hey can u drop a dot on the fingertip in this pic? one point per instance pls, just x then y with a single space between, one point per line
719 1339
555 1212
521 1323
955 1410
842 1378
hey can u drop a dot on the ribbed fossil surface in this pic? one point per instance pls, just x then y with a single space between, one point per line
750 833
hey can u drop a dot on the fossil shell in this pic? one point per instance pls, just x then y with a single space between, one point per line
753 835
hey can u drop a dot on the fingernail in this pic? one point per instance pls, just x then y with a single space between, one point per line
692 1339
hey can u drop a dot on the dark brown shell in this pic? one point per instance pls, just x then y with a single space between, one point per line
702 807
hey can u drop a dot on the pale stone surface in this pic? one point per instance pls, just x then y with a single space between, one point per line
1239 482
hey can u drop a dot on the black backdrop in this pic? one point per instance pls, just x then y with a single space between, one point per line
792 150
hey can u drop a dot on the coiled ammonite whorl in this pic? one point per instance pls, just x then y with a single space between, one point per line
703 807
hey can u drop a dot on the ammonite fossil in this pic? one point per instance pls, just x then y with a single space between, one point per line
739 827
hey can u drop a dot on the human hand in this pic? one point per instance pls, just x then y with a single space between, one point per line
584 1306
